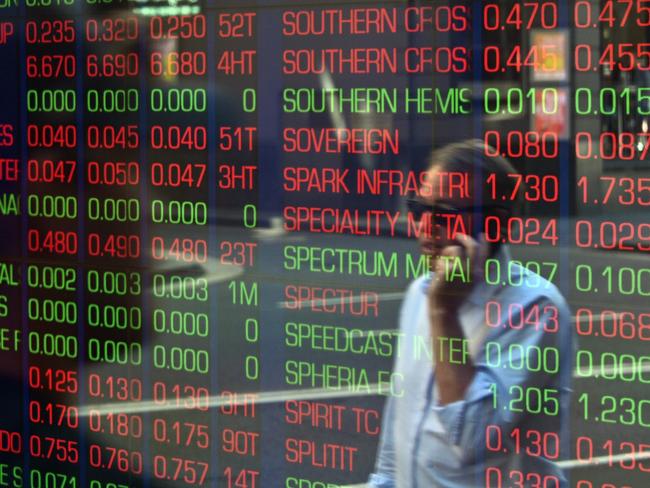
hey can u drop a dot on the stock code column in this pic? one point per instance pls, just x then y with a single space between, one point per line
12 325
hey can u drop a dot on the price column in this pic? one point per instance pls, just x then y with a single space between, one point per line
114 249
178 216
52 137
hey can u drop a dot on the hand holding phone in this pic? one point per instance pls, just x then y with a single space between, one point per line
459 268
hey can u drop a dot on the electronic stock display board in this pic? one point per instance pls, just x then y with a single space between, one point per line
205 240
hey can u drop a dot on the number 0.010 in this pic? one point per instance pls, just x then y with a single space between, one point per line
518 101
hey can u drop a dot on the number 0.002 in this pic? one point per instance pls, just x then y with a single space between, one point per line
51 277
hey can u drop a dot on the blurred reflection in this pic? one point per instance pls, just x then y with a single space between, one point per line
473 394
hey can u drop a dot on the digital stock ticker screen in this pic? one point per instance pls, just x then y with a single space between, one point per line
322 244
